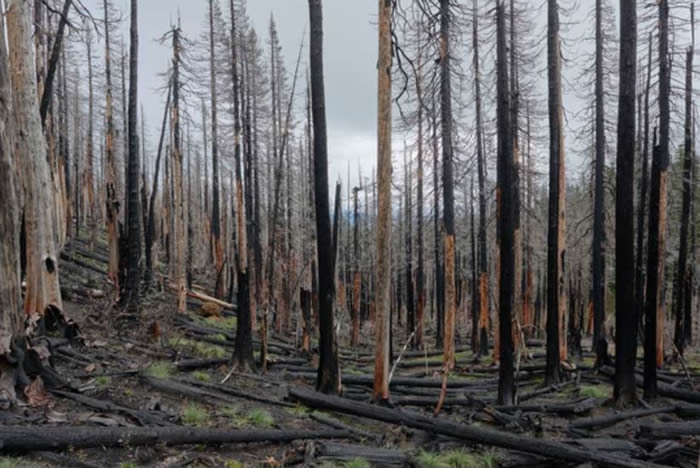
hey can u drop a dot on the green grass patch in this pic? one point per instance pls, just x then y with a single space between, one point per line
201 376
128 465
299 411
9 462
128 392
195 415
103 380
160 370
198 348
233 464
354 463
260 418
254 418
595 391
457 459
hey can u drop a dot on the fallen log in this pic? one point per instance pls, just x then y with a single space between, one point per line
193 364
665 390
612 419
206 298
328 421
377 456
578 406
14 438
670 430
142 417
227 390
546 448
368 381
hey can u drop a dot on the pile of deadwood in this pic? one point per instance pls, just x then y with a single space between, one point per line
548 423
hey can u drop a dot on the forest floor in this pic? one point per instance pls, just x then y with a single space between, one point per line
166 372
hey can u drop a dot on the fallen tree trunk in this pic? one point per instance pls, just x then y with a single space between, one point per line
143 417
33 438
206 298
548 449
671 430
612 419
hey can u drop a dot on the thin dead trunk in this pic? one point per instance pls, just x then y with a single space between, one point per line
328 380
383 307
556 237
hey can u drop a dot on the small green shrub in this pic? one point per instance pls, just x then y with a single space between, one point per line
160 370
195 415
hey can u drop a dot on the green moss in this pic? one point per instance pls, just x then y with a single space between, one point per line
430 460
160 370
356 463
464 459
198 348
299 411
195 415
127 465
227 323
260 418
254 418
457 459
201 376
595 391
9 462
103 380
234 464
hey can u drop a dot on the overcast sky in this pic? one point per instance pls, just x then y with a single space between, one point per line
350 54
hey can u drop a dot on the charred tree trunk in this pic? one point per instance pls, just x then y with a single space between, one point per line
328 380
483 287
447 184
151 227
133 221
684 318
420 268
217 246
178 198
655 270
52 67
505 195
243 352
357 278
625 310
643 195
111 197
600 343
556 237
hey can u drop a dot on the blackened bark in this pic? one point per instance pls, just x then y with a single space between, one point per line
482 291
53 61
506 210
151 227
447 183
682 312
600 344
625 309
328 379
655 265
555 237
644 188
133 221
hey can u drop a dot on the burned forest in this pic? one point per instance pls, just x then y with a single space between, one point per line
334 233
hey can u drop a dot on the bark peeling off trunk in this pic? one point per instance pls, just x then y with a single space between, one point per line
43 290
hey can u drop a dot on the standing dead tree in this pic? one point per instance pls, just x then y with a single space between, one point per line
328 379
